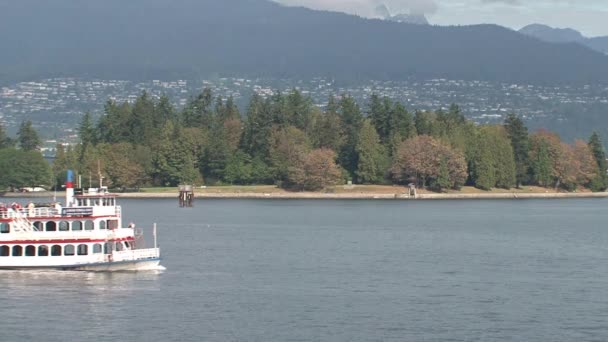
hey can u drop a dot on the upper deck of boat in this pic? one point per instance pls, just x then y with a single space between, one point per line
90 202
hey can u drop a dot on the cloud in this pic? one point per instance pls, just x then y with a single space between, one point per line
366 8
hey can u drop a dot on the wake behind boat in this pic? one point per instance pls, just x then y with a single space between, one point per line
86 234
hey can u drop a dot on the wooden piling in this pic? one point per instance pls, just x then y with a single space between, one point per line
186 196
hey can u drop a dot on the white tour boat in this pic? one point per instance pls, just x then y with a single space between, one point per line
86 234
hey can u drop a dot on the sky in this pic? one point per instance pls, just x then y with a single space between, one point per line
590 17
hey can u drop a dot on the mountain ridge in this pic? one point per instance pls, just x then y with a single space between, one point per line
565 35
187 38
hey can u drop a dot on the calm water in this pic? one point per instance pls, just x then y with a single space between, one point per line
336 271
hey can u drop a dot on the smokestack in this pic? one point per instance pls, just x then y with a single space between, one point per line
69 189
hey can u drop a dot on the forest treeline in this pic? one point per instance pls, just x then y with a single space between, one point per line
286 140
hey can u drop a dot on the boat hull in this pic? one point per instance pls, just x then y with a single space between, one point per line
130 265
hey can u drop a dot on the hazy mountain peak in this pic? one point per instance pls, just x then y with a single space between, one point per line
565 35
550 34
384 12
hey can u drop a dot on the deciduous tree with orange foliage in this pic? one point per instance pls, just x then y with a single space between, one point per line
559 164
420 159
318 172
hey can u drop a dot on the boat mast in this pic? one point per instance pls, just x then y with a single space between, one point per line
154 233
99 173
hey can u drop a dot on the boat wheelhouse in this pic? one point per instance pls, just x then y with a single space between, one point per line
86 233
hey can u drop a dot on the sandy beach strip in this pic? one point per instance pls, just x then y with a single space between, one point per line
328 196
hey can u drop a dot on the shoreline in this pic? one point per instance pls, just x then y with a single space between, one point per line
335 196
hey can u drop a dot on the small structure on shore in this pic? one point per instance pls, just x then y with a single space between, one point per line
412 190
186 196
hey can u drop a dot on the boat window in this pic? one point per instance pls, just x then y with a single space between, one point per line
56 250
43 251
107 247
83 249
39 226
112 224
30 251
51 226
102 224
17 251
119 247
127 244
88 225
64 226
76 225
97 248
68 250
5 228
4 251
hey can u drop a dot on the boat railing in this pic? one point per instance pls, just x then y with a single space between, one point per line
10 213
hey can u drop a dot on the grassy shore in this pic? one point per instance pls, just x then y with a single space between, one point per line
344 192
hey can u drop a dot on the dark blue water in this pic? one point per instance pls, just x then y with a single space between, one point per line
336 271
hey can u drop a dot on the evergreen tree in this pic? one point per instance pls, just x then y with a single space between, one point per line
86 131
541 164
443 178
506 174
351 118
28 137
424 122
373 161
485 177
401 122
164 112
142 121
238 169
257 128
449 121
490 159
379 112
298 110
198 111
597 149
23 168
229 111
276 107
518 133
114 125
217 154
328 130
261 173
176 159
5 140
